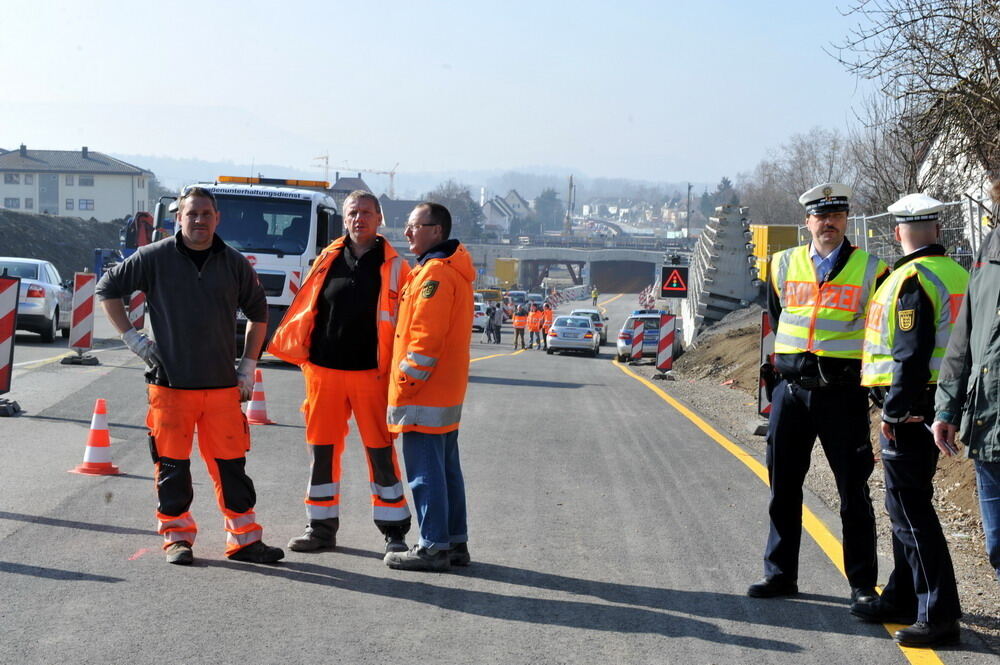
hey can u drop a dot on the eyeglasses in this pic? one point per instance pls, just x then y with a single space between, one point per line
414 227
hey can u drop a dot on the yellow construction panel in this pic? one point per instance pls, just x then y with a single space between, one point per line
770 239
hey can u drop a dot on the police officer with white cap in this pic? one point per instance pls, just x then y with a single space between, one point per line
817 301
909 322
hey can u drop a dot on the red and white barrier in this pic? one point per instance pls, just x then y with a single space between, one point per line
10 287
81 333
294 281
137 310
766 355
665 345
637 335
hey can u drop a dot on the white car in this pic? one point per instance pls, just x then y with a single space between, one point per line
45 301
574 333
598 319
479 317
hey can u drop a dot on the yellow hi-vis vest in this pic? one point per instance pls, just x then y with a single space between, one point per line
827 320
944 282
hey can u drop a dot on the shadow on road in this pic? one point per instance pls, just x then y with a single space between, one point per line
54 573
636 609
86 421
496 380
72 524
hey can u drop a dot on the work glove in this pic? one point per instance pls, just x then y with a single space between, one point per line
245 373
142 346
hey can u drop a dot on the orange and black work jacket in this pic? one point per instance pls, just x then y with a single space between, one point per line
520 321
535 321
292 338
430 359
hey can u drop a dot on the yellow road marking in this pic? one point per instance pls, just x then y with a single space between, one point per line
812 524
601 305
497 355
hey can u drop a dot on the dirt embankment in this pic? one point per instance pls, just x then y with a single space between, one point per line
718 376
68 242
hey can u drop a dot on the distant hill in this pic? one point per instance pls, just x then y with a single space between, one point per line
68 242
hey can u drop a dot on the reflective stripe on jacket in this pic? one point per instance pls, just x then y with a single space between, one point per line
944 282
535 321
547 317
826 319
430 362
520 321
293 336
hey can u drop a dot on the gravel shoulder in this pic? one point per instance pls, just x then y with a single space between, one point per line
718 376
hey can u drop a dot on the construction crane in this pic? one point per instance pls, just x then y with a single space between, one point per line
391 173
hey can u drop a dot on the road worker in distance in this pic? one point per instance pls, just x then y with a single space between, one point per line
535 318
520 323
548 316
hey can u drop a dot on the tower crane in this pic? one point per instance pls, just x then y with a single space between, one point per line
391 173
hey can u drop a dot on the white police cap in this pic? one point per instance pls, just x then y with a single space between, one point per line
916 208
825 198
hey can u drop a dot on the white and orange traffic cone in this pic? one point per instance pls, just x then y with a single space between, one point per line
97 455
257 408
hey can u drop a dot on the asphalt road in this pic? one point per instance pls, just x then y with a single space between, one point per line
605 528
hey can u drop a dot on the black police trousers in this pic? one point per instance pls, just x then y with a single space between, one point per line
839 417
923 580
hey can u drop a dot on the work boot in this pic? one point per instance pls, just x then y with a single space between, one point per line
923 634
180 553
419 558
395 540
458 555
319 535
258 552
772 587
863 594
878 611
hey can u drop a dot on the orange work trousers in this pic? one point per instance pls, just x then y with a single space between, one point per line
332 396
223 441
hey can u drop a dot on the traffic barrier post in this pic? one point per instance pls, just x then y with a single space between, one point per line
10 289
637 334
665 344
81 332
137 310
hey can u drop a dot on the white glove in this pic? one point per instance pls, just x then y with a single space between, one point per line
245 374
142 346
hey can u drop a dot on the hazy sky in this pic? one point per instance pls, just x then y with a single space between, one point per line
662 91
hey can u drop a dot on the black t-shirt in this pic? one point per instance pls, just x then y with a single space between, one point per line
346 332
199 256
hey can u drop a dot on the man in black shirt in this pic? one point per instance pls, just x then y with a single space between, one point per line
340 329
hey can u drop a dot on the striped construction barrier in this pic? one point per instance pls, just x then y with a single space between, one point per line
10 288
137 310
637 335
665 344
81 332
766 356
294 281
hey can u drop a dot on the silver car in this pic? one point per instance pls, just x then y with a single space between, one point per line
574 333
45 301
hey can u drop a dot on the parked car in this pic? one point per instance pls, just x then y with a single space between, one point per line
479 317
574 333
536 298
598 319
650 335
518 298
45 301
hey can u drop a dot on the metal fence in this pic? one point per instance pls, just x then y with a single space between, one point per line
962 231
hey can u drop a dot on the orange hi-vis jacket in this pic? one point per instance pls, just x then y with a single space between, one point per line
535 321
430 359
547 317
520 321
293 336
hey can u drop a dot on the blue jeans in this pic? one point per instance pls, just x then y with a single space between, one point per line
988 482
434 472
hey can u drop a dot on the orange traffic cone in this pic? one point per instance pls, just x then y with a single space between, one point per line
97 455
257 408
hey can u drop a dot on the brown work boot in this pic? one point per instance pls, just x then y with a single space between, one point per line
319 535
180 553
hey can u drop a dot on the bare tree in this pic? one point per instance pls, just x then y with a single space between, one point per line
942 58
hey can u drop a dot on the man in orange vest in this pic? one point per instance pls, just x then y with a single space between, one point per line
339 330
548 315
535 327
430 372
520 322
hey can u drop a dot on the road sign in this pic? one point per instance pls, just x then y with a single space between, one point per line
674 281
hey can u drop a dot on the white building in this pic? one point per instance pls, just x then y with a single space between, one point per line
73 183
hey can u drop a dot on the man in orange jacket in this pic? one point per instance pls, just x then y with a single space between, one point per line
535 327
520 322
339 330
430 372
548 315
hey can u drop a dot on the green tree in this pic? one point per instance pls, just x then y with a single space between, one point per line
466 215
549 210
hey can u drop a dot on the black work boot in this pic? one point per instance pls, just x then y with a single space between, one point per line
319 535
257 552
395 539
459 554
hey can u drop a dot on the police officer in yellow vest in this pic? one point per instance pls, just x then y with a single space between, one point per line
817 308
909 322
